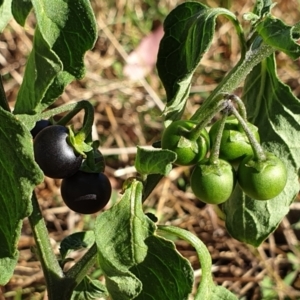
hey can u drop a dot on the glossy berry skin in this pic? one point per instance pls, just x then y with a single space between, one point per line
188 152
53 154
39 125
213 184
262 181
86 193
235 145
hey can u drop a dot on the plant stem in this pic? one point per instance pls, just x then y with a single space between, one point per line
259 154
3 99
88 117
74 109
206 285
238 74
215 151
60 286
205 114
240 104
76 274
52 271
205 117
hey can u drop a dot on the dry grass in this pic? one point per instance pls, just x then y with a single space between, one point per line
128 113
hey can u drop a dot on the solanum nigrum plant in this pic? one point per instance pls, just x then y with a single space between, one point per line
54 154
189 150
135 255
86 193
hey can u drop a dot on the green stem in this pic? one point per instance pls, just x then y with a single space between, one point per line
205 112
60 286
240 104
74 109
76 274
259 154
52 271
205 117
238 74
3 100
215 151
206 285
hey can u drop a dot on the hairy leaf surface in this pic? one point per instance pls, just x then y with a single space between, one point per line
19 174
65 31
156 161
130 254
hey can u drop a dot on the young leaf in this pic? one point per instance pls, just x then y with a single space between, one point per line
278 35
89 289
262 7
127 247
275 111
20 10
156 161
76 241
65 31
189 31
19 174
5 13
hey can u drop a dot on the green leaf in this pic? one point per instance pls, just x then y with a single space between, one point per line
65 31
41 69
133 259
164 273
278 35
89 289
76 241
221 293
19 175
20 10
275 111
189 31
262 7
5 14
156 161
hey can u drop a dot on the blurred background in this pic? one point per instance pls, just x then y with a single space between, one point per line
122 82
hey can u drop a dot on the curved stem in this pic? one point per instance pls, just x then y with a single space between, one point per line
240 104
206 284
215 151
259 154
88 121
74 109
